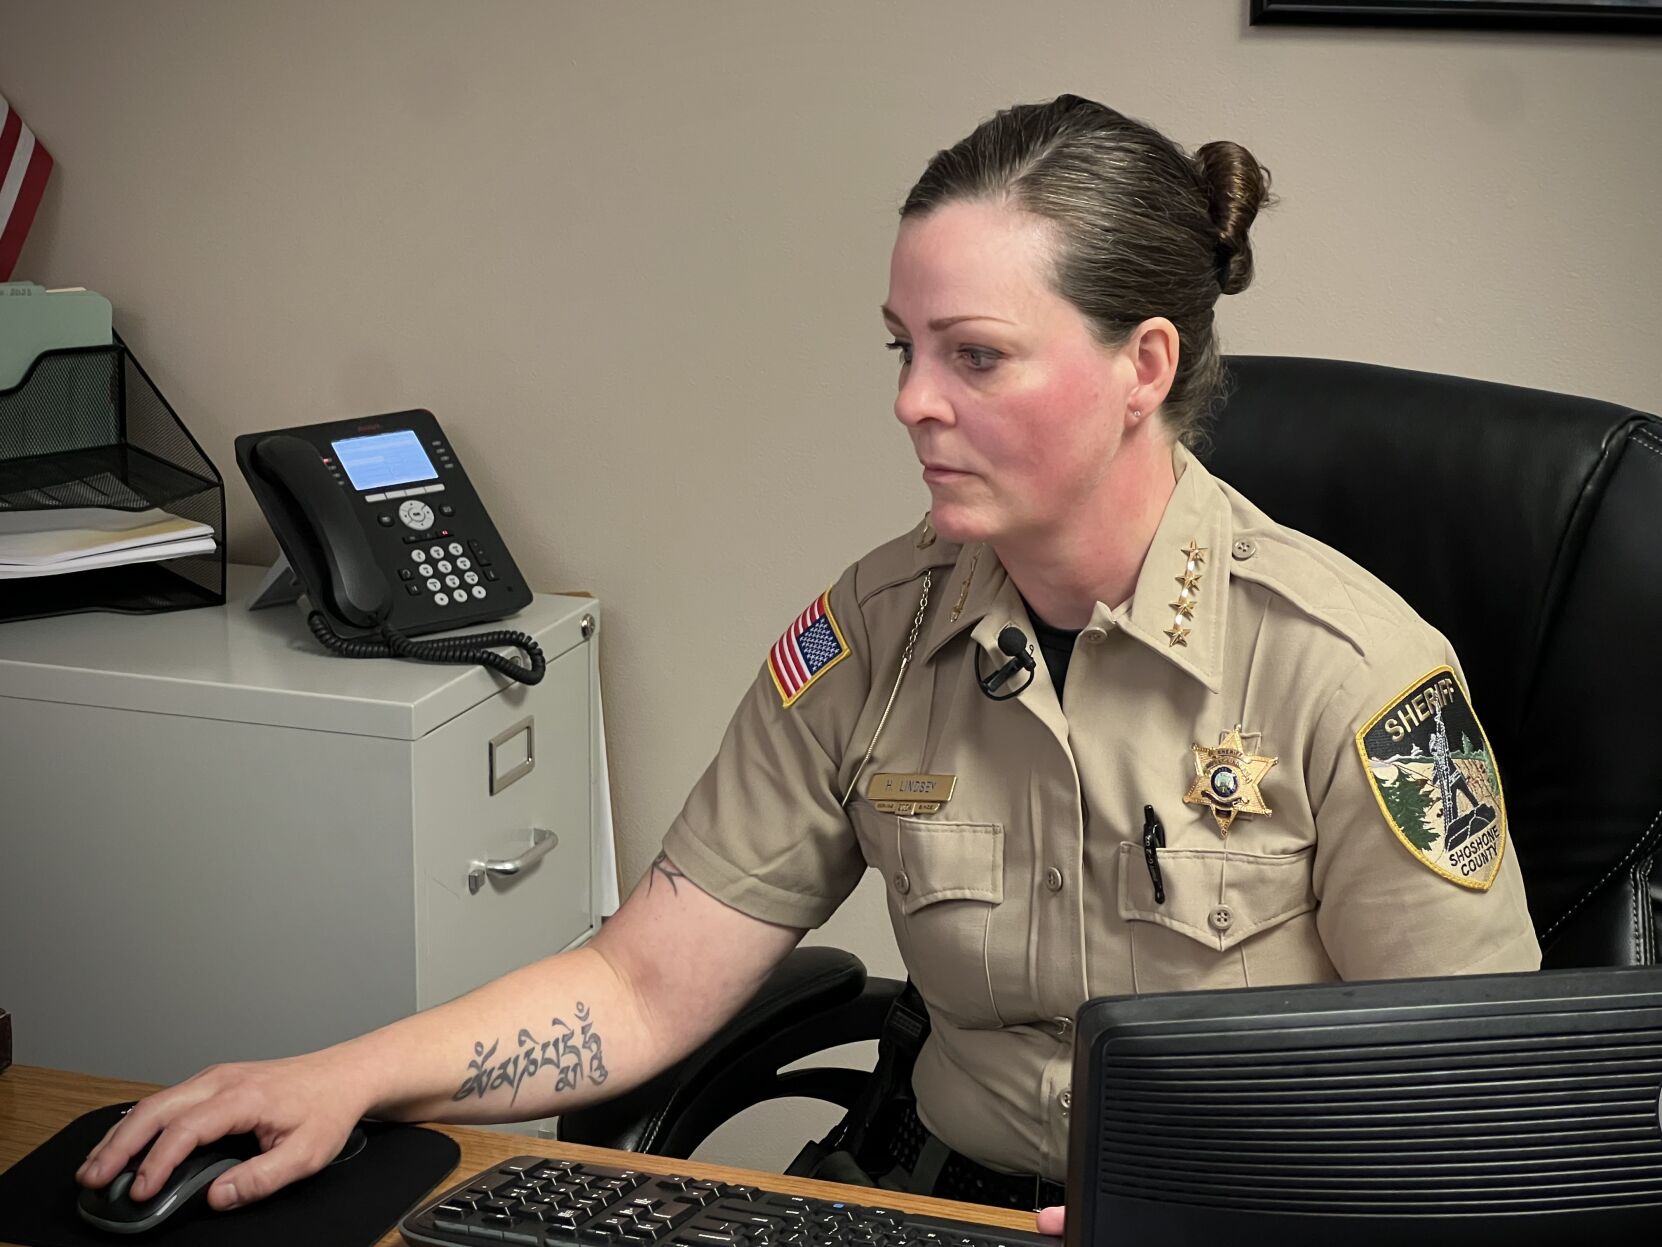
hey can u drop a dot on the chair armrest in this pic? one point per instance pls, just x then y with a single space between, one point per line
1615 924
817 998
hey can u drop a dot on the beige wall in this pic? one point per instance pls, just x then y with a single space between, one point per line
631 254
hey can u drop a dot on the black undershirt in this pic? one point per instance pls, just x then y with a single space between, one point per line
1056 644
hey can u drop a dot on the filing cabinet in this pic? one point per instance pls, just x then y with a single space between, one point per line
219 842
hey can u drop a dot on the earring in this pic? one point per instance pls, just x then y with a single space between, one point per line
1136 414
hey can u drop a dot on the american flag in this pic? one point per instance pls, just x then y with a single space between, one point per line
24 168
810 647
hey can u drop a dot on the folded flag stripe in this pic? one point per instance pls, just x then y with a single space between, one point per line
24 167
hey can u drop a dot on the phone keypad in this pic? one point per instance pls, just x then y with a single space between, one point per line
444 567
451 589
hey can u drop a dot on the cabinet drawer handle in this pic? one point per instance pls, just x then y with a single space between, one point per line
542 840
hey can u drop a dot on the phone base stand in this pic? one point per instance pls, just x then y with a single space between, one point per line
278 587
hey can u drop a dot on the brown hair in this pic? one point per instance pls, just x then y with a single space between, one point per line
1144 229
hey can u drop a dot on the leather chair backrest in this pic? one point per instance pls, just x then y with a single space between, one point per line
1527 527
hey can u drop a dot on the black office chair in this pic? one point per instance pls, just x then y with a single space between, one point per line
1522 524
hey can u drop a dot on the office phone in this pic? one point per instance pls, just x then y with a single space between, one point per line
388 539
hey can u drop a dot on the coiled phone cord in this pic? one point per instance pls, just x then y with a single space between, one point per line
469 648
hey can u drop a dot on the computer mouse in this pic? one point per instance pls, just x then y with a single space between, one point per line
186 1189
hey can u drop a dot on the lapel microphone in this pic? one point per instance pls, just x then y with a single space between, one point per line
1013 641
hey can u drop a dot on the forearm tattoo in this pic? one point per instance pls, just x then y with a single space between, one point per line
572 1054
661 865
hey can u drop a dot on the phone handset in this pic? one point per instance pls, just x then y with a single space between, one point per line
328 550
354 589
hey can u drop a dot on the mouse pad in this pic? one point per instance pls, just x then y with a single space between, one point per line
352 1204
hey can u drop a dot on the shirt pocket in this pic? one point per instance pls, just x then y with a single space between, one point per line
1216 896
942 881
1217 902
939 861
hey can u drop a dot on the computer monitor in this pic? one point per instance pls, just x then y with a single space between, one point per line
1511 1108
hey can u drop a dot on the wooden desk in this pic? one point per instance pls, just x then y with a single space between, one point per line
36 1103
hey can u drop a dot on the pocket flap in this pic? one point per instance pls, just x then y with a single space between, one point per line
1216 896
949 862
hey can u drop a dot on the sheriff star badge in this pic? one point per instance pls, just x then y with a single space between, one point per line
1227 779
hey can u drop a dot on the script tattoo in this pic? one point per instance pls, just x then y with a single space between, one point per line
661 865
564 1054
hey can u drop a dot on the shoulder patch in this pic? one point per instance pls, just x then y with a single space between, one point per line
1434 775
810 647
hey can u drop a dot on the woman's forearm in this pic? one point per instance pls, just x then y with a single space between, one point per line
664 973
547 1038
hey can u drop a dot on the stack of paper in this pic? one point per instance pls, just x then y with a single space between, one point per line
73 539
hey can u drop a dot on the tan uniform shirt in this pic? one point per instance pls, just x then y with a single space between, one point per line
1027 892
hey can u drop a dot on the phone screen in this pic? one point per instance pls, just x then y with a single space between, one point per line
384 459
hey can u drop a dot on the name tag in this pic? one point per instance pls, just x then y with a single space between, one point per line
910 794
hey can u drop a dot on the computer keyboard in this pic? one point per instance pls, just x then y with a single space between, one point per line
534 1200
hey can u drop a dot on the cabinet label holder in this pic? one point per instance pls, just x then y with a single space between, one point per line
500 779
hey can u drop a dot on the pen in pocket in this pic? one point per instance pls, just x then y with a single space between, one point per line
1154 837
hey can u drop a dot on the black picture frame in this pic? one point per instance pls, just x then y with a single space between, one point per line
1607 16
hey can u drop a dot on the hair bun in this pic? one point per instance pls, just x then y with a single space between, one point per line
1237 186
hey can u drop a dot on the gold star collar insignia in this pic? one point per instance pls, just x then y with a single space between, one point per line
1188 595
1227 779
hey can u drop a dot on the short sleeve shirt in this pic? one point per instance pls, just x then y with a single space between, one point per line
1329 805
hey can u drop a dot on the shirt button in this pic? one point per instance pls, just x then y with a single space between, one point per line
1065 1100
1093 636
1245 548
902 884
1222 918
1053 879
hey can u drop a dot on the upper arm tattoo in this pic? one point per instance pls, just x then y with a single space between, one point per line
661 865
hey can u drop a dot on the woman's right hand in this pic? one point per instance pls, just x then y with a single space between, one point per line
300 1108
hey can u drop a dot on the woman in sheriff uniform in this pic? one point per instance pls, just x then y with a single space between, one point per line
1101 725
1236 759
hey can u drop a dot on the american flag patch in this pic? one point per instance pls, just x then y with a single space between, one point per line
811 646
